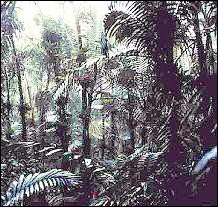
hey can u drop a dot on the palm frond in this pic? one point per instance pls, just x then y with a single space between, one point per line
139 22
33 183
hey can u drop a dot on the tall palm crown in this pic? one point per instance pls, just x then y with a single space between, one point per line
151 27
141 23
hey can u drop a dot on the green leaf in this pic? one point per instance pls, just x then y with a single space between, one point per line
27 192
31 189
37 187
38 182
41 185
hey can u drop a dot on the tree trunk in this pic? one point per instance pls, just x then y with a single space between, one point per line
132 136
48 76
8 113
113 134
103 136
22 105
8 106
85 114
31 104
168 76
80 53
87 99
42 116
200 45
131 128
79 33
210 60
64 137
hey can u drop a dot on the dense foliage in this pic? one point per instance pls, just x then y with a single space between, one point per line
111 109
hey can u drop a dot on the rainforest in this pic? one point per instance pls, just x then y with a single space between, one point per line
108 103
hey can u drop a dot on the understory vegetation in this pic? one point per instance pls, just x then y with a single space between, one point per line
109 103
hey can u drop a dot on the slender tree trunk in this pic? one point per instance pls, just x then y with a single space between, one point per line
8 113
200 45
86 146
65 137
48 77
86 141
79 40
8 106
132 136
31 103
103 136
42 116
113 127
131 128
113 133
210 60
22 105
87 99
79 33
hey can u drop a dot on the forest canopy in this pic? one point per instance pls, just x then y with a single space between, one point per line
108 103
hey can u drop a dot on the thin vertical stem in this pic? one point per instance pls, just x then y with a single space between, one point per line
22 105
131 128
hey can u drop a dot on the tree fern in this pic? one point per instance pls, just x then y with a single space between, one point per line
34 183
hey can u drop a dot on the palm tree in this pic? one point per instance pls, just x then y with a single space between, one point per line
151 27
8 19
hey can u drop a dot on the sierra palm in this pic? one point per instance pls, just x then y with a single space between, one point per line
151 27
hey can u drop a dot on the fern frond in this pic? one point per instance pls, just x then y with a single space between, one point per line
33 183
